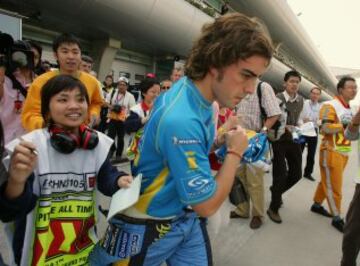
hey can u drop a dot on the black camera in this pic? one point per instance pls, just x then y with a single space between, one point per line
16 54
117 108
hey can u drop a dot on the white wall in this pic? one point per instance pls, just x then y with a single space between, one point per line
48 54
128 67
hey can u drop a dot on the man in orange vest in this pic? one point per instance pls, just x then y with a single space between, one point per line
335 116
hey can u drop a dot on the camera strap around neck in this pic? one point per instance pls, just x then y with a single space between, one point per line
17 85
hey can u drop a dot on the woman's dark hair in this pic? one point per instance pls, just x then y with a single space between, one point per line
38 48
56 85
146 84
1 141
108 76
36 45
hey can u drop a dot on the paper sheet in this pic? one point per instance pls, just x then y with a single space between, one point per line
308 129
125 197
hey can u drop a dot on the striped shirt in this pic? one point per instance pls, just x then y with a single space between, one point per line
249 108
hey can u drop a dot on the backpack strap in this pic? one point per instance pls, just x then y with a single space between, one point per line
281 97
262 110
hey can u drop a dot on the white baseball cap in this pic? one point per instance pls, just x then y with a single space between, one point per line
124 79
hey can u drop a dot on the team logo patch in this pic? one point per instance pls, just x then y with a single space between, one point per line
178 141
123 241
197 186
162 230
66 182
130 244
198 182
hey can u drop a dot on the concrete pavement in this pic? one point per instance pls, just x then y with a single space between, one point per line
303 239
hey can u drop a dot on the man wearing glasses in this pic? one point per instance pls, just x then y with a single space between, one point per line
165 85
310 113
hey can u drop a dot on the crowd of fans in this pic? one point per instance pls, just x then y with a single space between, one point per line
64 131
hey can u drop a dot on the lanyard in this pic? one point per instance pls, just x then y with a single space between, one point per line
120 97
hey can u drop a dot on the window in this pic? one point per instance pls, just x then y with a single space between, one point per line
139 77
124 74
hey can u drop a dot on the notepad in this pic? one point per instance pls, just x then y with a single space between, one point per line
125 197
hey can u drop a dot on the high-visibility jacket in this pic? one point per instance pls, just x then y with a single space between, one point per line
334 115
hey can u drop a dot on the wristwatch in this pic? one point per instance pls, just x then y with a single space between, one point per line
264 129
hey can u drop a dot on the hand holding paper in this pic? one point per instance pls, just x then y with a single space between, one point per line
125 197
307 129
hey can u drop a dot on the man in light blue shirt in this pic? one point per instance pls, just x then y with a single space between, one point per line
310 113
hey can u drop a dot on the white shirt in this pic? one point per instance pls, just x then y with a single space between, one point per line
310 112
288 97
126 100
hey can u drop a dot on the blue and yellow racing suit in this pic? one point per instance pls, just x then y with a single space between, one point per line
173 159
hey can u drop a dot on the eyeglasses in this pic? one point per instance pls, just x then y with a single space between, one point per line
166 87
315 93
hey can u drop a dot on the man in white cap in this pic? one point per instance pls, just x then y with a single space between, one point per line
120 101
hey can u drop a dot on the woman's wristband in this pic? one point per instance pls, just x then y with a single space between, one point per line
237 154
